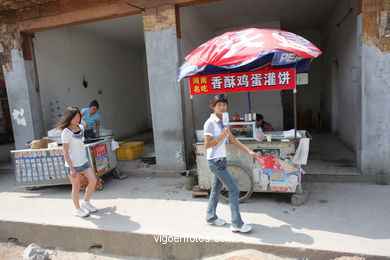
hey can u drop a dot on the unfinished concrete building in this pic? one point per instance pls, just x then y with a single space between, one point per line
125 54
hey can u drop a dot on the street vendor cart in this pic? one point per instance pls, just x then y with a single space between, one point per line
273 171
46 167
244 61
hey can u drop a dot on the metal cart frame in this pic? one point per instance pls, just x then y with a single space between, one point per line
35 168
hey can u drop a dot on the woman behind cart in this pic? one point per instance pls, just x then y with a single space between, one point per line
216 135
260 123
91 120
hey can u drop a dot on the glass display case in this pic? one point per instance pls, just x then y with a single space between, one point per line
243 130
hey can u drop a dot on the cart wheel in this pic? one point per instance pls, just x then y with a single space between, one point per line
243 177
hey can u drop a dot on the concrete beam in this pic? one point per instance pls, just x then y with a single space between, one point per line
60 13
77 16
374 154
375 126
24 100
162 52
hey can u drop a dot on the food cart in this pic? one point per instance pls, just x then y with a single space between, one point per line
273 171
244 61
46 167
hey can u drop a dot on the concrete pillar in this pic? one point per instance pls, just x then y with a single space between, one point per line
375 106
162 53
24 100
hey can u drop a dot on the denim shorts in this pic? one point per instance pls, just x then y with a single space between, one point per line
82 167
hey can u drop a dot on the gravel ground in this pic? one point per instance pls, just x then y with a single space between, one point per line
12 251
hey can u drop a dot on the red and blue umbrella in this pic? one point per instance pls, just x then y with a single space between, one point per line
250 50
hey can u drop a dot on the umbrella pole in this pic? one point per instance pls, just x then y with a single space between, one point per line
295 106
295 112
249 102
193 115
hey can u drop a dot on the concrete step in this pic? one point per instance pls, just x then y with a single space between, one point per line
144 245
352 178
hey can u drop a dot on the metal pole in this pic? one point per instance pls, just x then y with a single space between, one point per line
193 117
249 102
295 112
295 105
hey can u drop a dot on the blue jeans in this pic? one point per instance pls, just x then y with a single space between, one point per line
222 175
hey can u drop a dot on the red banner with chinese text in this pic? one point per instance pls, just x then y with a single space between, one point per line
100 150
242 81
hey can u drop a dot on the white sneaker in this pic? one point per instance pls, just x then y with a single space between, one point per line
217 222
81 213
88 206
244 229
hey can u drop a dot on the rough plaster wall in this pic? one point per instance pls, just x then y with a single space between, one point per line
376 108
23 118
341 43
266 25
20 78
308 96
162 55
165 95
35 99
65 56
374 156
195 30
147 93
267 103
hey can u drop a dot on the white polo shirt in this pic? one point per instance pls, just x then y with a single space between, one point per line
214 127
77 152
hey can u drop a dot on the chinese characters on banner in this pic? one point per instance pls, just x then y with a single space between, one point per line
100 150
101 157
39 167
243 81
